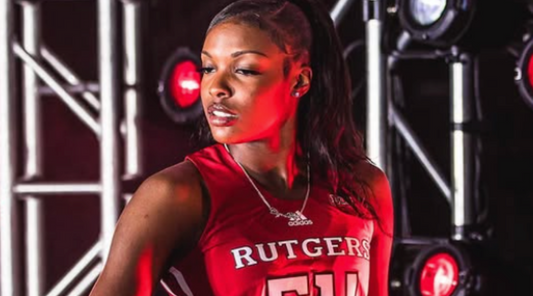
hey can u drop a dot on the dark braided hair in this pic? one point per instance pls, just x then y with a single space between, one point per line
325 122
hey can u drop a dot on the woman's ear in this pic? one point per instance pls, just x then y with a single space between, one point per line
303 82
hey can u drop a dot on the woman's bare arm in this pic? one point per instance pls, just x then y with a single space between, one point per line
381 245
165 213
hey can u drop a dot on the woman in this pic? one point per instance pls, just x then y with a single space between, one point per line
286 201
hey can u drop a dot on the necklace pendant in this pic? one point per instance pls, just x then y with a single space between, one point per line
298 219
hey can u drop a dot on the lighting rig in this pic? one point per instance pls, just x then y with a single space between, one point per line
420 265
443 266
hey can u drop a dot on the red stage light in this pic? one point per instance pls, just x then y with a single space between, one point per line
185 84
524 71
179 87
434 267
530 71
439 275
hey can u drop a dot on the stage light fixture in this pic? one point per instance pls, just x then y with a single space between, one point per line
439 23
431 268
179 86
439 275
524 73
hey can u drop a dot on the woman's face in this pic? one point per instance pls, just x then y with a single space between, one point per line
245 95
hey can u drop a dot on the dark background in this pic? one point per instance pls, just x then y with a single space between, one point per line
71 151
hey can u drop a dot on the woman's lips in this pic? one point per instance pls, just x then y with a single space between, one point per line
219 115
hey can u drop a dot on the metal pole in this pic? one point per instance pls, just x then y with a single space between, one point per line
69 76
31 20
75 271
86 89
461 145
420 152
132 94
58 188
32 103
87 280
376 129
109 165
35 276
339 10
9 250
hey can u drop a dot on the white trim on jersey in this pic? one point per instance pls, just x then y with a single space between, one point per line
181 282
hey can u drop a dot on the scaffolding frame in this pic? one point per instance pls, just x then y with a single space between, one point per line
383 116
101 98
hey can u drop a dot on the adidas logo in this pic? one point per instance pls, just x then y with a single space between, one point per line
298 219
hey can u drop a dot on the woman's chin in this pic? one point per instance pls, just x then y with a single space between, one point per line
223 135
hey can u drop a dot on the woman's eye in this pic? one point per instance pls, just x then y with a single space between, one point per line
206 70
247 72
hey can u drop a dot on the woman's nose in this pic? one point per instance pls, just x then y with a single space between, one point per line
219 87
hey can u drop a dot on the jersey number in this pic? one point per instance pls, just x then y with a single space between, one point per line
299 285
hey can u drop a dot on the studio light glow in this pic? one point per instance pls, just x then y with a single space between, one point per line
185 83
439 275
427 12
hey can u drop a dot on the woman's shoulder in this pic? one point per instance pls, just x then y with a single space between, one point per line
182 173
379 193
371 175
179 184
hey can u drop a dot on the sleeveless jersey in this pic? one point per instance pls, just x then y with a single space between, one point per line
245 250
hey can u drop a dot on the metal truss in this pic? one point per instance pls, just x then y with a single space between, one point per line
98 112
459 192
382 115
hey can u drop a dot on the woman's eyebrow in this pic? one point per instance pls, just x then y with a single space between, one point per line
239 53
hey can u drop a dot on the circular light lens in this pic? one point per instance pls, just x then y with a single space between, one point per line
439 276
524 74
530 71
185 84
427 12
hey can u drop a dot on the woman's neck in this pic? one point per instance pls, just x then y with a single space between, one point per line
276 163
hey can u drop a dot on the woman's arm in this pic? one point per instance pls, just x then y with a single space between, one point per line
166 212
381 245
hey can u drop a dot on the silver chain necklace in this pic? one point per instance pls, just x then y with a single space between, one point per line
295 218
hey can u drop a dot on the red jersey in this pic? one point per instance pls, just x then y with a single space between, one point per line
245 250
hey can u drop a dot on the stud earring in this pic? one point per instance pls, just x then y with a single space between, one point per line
296 94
